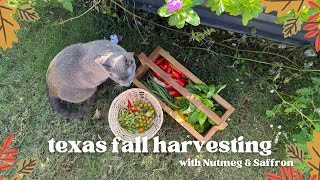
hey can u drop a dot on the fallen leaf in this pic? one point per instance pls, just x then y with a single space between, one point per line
97 114
5 166
11 152
313 177
313 4
27 13
283 173
16 177
313 17
294 153
26 166
285 6
8 26
317 43
291 173
8 159
272 176
299 175
314 151
311 26
8 140
311 34
291 26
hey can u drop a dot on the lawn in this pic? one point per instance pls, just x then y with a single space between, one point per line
25 111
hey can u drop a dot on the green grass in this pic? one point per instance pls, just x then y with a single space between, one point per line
25 111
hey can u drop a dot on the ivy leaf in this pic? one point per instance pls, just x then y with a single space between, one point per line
164 11
177 20
8 26
192 17
291 26
16 177
27 13
26 166
285 6
294 153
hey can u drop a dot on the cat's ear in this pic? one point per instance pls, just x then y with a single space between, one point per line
100 59
103 60
129 55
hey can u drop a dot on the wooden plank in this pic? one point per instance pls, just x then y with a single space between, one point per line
173 114
142 70
155 54
213 130
146 61
192 77
179 66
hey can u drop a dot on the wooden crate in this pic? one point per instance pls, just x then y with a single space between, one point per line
148 63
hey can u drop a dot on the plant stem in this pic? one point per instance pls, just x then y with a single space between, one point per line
301 113
73 18
253 60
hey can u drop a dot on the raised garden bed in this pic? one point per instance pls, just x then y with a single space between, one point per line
265 24
147 63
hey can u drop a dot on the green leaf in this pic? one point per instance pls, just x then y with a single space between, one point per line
68 5
201 87
197 2
177 20
190 109
211 121
164 11
202 117
270 113
304 91
208 103
194 117
192 17
220 88
220 8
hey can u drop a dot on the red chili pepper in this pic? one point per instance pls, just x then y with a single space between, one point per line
176 69
170 87
168 69
163 66
159 61
165 82
136 110
175 74
183 76
185 80
174 93
183 84
129 104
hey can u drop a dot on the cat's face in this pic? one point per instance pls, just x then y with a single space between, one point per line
122 69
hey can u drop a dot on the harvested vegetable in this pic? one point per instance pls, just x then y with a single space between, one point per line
174 72
138 117
161 92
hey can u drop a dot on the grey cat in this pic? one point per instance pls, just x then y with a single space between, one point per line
76 72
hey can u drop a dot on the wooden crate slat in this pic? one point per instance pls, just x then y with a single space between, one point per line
173 114
143 69
146 61
179 66
191 76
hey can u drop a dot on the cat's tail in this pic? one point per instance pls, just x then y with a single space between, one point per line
56 103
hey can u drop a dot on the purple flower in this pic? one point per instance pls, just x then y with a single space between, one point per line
120 38
174 5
